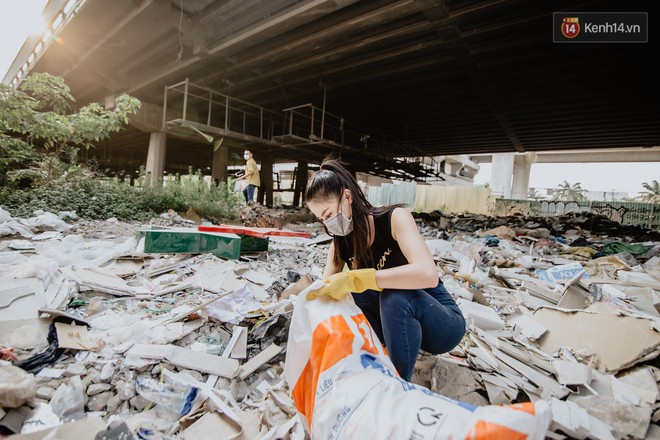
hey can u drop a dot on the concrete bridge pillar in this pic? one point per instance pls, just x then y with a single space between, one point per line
522 167
510 174
301 183
220 162
156 158
501 174
265 196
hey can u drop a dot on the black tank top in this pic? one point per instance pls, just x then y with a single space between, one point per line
385 251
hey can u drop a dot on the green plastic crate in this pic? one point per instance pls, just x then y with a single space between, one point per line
253 244
220 245
190 241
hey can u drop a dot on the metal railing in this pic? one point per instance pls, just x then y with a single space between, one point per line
307 121
186 102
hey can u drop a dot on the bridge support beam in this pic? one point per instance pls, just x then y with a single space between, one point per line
156 158
266 176
522 166
301 183
501 174
510 174
220 162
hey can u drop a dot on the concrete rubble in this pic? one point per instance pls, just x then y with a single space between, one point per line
101 340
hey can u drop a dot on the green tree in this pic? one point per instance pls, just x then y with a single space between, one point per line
651 193
569 193
38 113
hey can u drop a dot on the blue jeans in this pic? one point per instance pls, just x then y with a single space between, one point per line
248 192
407 320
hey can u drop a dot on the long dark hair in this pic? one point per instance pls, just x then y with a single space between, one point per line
329 183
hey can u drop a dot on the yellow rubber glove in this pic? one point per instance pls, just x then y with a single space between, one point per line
339 285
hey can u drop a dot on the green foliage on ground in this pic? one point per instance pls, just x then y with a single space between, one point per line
102 198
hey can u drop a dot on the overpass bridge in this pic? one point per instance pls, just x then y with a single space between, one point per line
409 80
511 171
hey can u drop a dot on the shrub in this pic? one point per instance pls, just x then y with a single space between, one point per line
95 198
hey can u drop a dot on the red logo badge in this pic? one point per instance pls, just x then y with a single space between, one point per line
570 27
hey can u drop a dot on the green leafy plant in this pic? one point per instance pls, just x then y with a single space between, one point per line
36 115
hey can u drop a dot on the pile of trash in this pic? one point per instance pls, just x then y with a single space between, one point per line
102 340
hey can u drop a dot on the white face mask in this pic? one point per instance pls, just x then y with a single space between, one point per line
246 156
339 224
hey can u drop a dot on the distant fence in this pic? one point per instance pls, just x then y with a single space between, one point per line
427 198
476 200
627 213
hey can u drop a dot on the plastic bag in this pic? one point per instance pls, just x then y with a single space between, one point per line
345 386
176 397
239 185
16 386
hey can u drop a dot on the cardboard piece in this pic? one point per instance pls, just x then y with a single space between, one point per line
99 280
484 317
237 345
606 336
63 314
572 373
240 348
76 337
212 425
149 351
541 379
125 267
529 327
573 298
204 362
576 422
253 364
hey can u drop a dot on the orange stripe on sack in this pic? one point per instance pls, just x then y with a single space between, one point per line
483 430
527 407
332 341
367 333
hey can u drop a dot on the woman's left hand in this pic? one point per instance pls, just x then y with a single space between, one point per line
339 285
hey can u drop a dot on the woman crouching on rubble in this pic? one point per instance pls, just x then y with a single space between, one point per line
392 276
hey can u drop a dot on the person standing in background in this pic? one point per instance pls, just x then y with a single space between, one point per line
251 177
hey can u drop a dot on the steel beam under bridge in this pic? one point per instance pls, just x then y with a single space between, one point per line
651 154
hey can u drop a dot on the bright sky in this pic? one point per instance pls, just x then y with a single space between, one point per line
20 17
627 177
